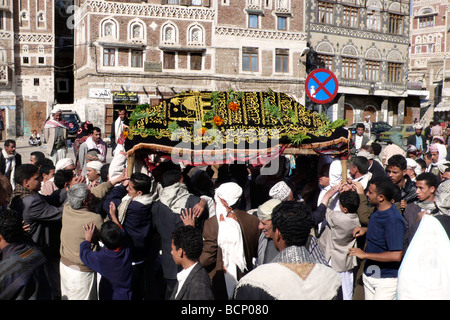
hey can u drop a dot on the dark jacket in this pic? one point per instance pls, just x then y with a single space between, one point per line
409 190
44 220
115 268
165 221
137 224
377 170
197 286
22 274
353 150
412 140
3 162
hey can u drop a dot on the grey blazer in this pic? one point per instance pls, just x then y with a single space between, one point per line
196 287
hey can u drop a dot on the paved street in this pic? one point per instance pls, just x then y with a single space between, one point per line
25 150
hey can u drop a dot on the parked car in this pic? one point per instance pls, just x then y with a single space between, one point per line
69 116
405 130
377 128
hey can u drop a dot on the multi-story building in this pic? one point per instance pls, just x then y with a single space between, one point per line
7 92
36 62
33 82
428 50
133 52
365 44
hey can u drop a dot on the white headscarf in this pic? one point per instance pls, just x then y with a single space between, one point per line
63 163
96 165
229 237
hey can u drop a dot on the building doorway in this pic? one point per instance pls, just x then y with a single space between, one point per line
349 114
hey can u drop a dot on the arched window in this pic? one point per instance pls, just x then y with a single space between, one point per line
195 35
169 34
109 29
136 30
24 19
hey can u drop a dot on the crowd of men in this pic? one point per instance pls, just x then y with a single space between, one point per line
320 227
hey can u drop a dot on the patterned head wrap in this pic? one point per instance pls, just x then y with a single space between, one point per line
442 197
280 191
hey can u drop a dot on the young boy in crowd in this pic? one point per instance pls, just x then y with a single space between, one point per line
112 262
46 173
337 238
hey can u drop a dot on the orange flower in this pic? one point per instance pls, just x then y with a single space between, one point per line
233 106
218 120
201 131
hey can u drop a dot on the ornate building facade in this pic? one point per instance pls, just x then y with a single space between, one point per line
29 62
428 47
366 45
428 54
134 52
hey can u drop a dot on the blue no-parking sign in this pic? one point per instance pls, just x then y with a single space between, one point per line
321 86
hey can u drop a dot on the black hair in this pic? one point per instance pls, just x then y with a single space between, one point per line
325 170
141 182
376 147
48 161
46 169
350 200
397 160
293 220
385 187
361 163
421 163
96 129
170 177
62 177
428 155
189 239
104 172
360 125
40 157
11 226
24 172
430 179
111 235
8 142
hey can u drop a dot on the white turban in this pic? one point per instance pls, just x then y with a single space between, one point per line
63 163
443 166
411 163
417 126
57 110
265 210
366 154
441 197
229 237
280 191
96 165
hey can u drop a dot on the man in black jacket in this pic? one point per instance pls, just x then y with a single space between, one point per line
418 139
22 273
396 170
9 160
193 281
166 217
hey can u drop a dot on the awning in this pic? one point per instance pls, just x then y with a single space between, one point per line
442 107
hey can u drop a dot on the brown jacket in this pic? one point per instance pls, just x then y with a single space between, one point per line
211 257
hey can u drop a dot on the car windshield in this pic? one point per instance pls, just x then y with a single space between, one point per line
396 128
71 117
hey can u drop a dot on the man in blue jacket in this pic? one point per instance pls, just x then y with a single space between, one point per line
133 200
